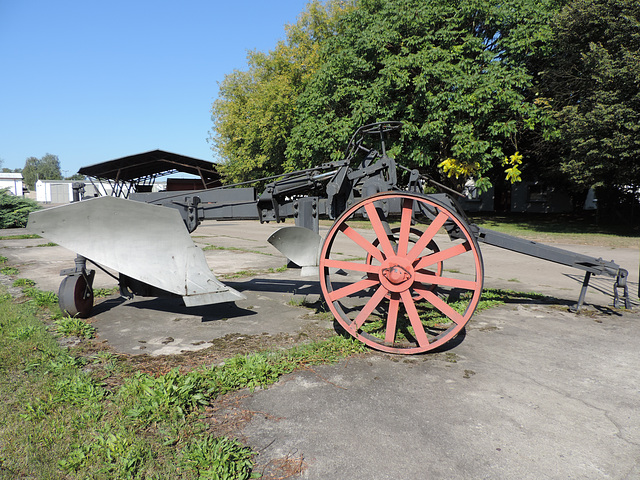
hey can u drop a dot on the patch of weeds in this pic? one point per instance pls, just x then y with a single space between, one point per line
62 421
218 458
513 280
176 395
78 390
19 237
9 271
298 301
252 273
23 282
106 360
105 292
24 332
41 298
436 322
171 396
3 259
451 357
48 244
239 274
235 249
121 454
74 327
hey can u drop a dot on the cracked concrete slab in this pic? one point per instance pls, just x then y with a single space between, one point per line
543 395
530 391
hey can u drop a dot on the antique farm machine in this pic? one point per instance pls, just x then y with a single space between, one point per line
412 284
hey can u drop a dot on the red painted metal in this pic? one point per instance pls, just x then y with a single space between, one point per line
404 278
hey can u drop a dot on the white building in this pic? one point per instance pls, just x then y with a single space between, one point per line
12 182
54 191
61 191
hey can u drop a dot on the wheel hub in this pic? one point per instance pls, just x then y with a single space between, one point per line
396 274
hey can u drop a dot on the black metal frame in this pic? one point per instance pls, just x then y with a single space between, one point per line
331 188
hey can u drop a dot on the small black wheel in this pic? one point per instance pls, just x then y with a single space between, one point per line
75 296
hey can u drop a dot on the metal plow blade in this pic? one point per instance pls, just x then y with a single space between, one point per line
146 242
300 245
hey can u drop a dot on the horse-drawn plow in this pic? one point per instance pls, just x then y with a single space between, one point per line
411 288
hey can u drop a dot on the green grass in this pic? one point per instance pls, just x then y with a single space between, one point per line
48 244
74 327
41 298
9 271
581 228
25 236
62 420
23 282
235 249
105 292
432 318
251 273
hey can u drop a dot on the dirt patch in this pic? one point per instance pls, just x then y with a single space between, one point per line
224 348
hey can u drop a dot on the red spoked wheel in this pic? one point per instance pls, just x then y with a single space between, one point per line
387 286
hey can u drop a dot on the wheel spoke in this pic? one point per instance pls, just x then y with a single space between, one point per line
414 318
352 288
427 236
440 304
392 319
361 242
368 308
446 281
405 226
381 233
438 257
396 299
352 266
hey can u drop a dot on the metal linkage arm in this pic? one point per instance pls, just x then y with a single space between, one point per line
591 265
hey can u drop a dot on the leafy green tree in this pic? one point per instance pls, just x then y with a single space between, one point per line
75 176
457 73
14 211
45 168
592 83
254 113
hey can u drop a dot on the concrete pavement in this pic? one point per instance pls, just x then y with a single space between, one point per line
530 391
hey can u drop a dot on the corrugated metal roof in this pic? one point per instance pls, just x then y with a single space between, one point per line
152 163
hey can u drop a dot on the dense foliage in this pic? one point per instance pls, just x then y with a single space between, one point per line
523 88
593 83
14 211
255 111
44 168
454 72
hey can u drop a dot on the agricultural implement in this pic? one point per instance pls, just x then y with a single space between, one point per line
413 283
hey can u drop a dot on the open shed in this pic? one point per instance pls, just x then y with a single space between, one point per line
138 173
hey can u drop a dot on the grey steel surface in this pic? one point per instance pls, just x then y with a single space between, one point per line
145 242
298 244
550 253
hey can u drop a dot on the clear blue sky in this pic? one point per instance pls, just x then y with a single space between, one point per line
91 81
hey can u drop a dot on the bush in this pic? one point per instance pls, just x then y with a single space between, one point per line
14 211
